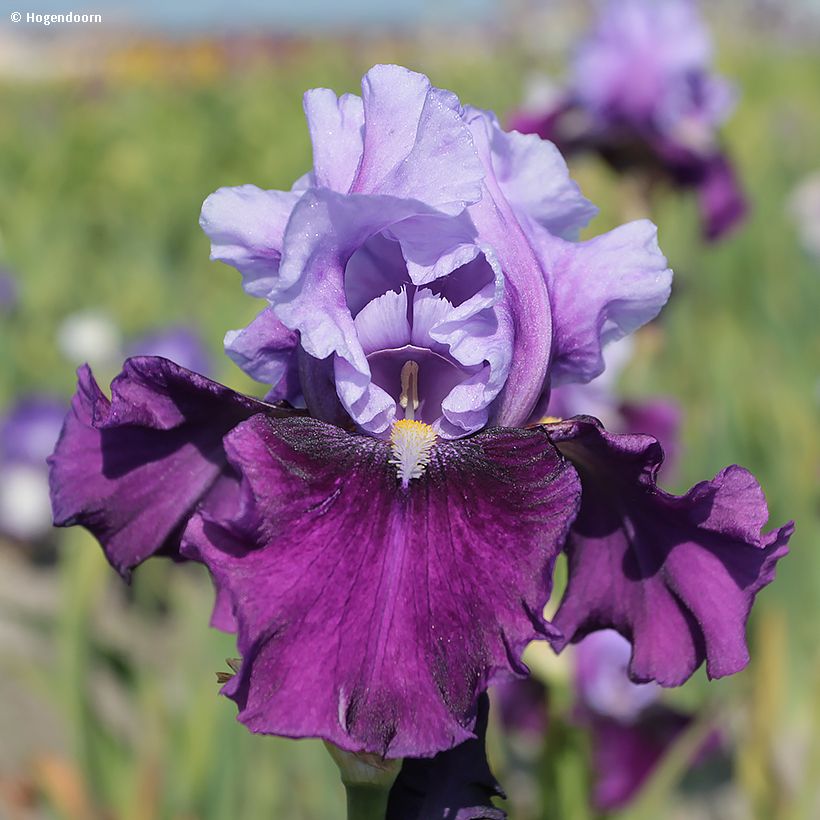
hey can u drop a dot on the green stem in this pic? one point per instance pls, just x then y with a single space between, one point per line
367 780
366 802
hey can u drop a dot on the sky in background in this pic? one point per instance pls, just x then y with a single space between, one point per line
295 15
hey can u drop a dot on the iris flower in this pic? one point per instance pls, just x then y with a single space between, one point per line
385 552
642 95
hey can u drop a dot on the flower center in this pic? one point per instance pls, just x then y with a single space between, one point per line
411 441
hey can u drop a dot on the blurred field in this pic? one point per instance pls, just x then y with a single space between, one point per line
108 700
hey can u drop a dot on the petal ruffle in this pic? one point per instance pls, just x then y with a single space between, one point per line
453 785
416 144
246 226
535 178
600 290
676 575
268 352
133 470
374 616
336 126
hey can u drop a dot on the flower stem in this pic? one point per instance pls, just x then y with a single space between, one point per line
366 802
367 780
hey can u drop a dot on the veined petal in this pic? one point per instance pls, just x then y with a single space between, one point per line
374 615
676 575
133 470
246 226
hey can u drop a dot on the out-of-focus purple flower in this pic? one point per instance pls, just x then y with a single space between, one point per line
389 557
8 291
630 729
28 432
181 345
642 95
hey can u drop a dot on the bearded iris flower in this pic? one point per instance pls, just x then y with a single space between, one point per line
385 552
642 95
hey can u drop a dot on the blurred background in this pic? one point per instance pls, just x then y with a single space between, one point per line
112 135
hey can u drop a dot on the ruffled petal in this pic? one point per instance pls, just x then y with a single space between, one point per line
534 177
246 226
370 615
336 126
325 230
268 352
453 785
134 469
416 144
676 575
601 290
526 300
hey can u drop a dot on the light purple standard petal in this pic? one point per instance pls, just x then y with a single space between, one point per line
336 126
600 290
526 301
676 575
268 352
416 144
371 615
134 469
246 226
535 179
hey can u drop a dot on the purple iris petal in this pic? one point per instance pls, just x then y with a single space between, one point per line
415 143
133 470
453 785
373 615
336 126
600 290
526 305
267 351
676 575
246 226
181 345
534 178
